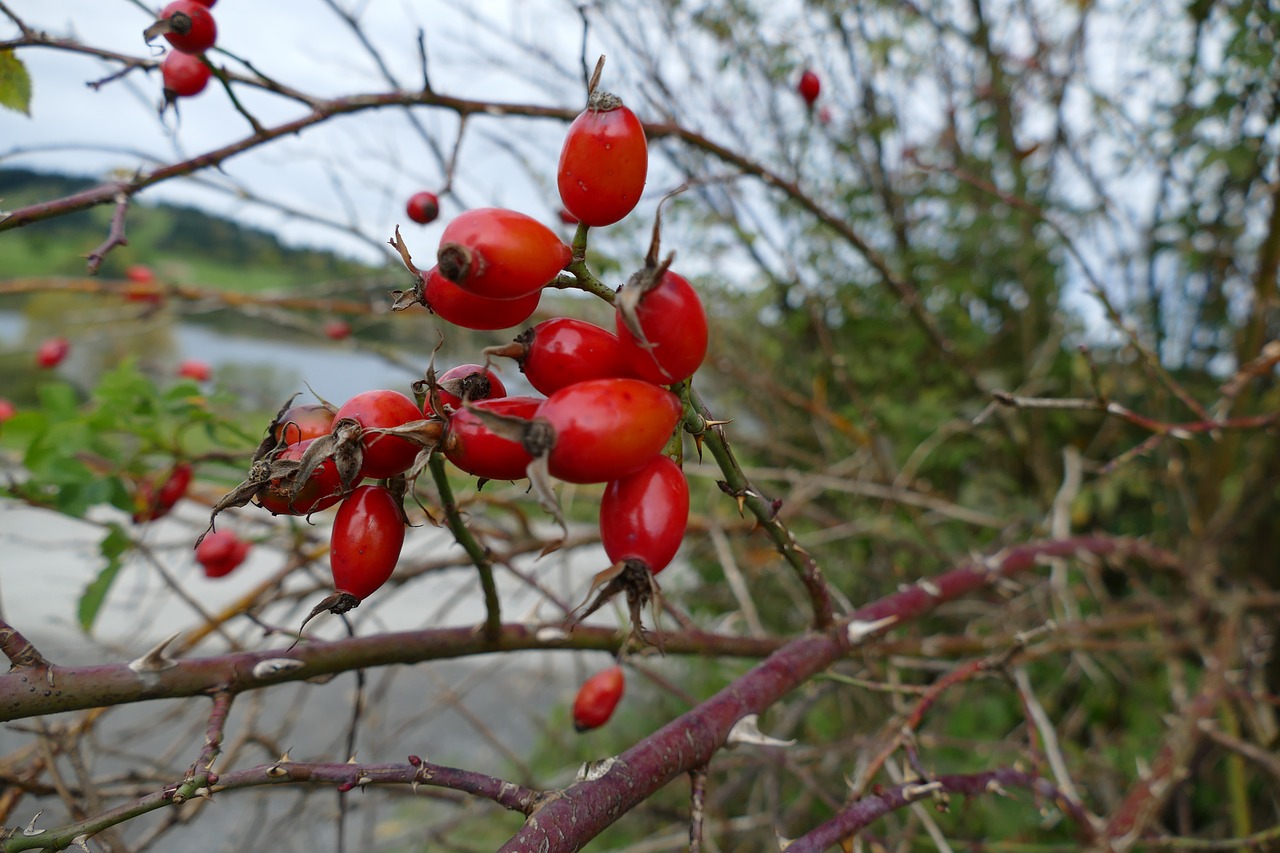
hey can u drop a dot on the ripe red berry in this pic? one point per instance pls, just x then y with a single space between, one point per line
643 517
7 409
603 163
500 254
662 328
566 217
462 308
423 207
185 75
368 533
562 351
606 429
303 422
51 352
140 274
190 27
322 490
384 455
220 552
142 285
597 698
155 499
337 329
475 382
195 369
809 86
473 448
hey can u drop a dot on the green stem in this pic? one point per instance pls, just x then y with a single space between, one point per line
478 553
1237 783
698 423
584 279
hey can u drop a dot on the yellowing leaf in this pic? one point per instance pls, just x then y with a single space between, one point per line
15 83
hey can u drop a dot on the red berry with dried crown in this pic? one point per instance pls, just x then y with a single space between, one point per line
474 448
643 517
500 254
463 308
187 25
604 162
368 534
384 455
563 351
662 327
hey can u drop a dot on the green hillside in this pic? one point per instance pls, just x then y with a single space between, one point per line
185 245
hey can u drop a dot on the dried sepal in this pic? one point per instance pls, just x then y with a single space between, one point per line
335 602
260 473
344 445
541 483
425 433
402 299
269 441
631 578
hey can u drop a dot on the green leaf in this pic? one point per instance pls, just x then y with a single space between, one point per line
58 398
116 544
15 83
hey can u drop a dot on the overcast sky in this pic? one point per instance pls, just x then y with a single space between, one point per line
360 168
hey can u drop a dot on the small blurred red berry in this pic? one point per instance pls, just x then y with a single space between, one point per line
141 274
423 207
52 352
220 552
194 368
809 86
7 409
337 329
567 218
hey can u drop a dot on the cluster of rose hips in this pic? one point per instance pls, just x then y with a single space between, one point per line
189 27
604 414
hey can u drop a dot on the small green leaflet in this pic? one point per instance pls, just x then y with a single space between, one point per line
116 544
15 83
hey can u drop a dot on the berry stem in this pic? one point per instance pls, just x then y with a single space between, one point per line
584 278
478 553
698 422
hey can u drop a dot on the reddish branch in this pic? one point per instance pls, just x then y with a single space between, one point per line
1182 429
870 809
115 237
18 649
1171 765
584 810
77 688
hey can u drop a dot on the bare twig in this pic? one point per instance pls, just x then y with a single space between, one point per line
115 237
